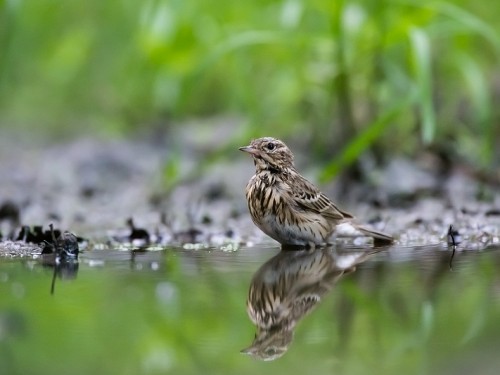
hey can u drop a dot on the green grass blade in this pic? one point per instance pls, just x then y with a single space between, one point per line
479 93
242 40
472 22
421 59
366 138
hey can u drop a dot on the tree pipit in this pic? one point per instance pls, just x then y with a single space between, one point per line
291 209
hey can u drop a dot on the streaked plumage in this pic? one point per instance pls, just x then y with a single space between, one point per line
289 208
286 288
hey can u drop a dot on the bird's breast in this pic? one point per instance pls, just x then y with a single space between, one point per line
263 198
273 210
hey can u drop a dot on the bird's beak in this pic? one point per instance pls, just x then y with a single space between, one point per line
249 149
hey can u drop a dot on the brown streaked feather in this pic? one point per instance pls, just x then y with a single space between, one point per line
308 197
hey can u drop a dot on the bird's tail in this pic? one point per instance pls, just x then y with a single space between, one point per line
351 229
379 238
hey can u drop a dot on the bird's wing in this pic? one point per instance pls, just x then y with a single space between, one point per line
303 304
308 197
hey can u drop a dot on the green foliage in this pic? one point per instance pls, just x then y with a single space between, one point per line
325 70
364 140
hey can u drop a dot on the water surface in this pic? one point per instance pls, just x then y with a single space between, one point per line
343 311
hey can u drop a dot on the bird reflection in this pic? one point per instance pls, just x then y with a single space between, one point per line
286 288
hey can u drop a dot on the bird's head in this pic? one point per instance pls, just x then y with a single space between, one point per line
269 345
269 153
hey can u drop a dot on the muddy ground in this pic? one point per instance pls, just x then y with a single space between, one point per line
91 187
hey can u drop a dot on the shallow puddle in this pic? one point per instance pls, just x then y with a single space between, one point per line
343 311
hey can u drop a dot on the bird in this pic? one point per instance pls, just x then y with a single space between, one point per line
287 288
289 208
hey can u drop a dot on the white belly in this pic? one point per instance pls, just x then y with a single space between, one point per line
289 234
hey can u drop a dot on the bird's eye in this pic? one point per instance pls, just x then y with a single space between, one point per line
270 351
270 146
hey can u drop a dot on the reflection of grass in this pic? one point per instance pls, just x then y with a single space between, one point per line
329 70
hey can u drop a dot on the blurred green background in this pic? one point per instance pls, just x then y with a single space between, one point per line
343 75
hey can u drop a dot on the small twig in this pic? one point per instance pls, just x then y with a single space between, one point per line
453 241
453 236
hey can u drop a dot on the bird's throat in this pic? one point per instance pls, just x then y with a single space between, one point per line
274 170
262 165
